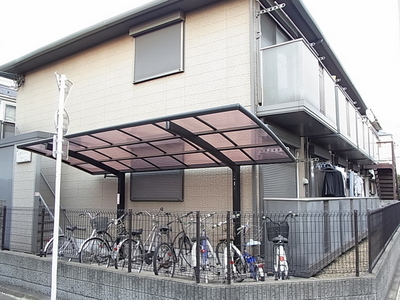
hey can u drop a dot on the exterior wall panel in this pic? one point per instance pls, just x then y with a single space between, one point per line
217 72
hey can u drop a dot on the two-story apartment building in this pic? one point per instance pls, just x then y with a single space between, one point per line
195 105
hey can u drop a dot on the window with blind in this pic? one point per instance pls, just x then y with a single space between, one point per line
157 186
158 47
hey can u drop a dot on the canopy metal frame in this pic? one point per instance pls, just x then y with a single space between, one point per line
227 136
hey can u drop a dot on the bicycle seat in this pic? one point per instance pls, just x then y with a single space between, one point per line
72 228
252 243
280 239
137 232
224 240
202 238
165 229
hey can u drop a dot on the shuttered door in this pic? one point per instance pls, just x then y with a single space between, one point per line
278 180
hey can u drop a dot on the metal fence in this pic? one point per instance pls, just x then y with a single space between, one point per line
382 224
318 244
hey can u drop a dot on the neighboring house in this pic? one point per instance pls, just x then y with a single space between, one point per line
185 59
8 95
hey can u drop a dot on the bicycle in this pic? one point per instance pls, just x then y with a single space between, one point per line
208 259
68 244
97 248
183 243
234 258
277 233
151 251
253 264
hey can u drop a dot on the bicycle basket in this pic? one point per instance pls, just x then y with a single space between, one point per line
273 230
99 223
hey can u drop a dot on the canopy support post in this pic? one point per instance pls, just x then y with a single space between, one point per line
236 188
236 202
121 192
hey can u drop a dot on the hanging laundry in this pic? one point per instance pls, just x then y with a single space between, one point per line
333 183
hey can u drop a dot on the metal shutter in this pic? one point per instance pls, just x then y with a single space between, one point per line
159 52
278 180
157 186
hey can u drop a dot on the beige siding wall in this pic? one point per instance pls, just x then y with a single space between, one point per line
217 72
25 175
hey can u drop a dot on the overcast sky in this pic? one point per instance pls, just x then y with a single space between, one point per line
27 25
364 36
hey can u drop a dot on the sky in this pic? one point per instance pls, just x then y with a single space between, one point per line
27 25
364 36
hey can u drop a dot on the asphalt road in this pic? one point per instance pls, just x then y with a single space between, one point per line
15 293
394 291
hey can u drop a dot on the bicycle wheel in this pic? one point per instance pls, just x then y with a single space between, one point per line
164 260
48 249
260 275
184 253
219 252
237 263
239 271
121 258
95 251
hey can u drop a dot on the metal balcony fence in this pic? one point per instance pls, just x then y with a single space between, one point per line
319 243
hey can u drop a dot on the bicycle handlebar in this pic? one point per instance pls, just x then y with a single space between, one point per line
91 215
290 214
234 216
179 218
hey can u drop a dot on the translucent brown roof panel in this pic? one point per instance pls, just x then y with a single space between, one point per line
224 136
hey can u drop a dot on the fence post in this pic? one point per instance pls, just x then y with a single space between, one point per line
130 240
356 243
198 247
228 248
369 240
3 232
42 233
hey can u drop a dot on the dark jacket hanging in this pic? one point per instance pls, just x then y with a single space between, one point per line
333 184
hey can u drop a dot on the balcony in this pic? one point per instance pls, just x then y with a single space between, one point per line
302 97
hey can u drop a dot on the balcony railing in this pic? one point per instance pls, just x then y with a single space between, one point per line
294 79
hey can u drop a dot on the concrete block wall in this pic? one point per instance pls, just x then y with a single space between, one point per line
78 281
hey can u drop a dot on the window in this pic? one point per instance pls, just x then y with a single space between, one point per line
271 32
158 47
9 113
157 186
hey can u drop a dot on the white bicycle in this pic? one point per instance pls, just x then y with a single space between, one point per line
208 260
277 233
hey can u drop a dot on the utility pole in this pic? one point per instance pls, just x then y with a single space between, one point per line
61 123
